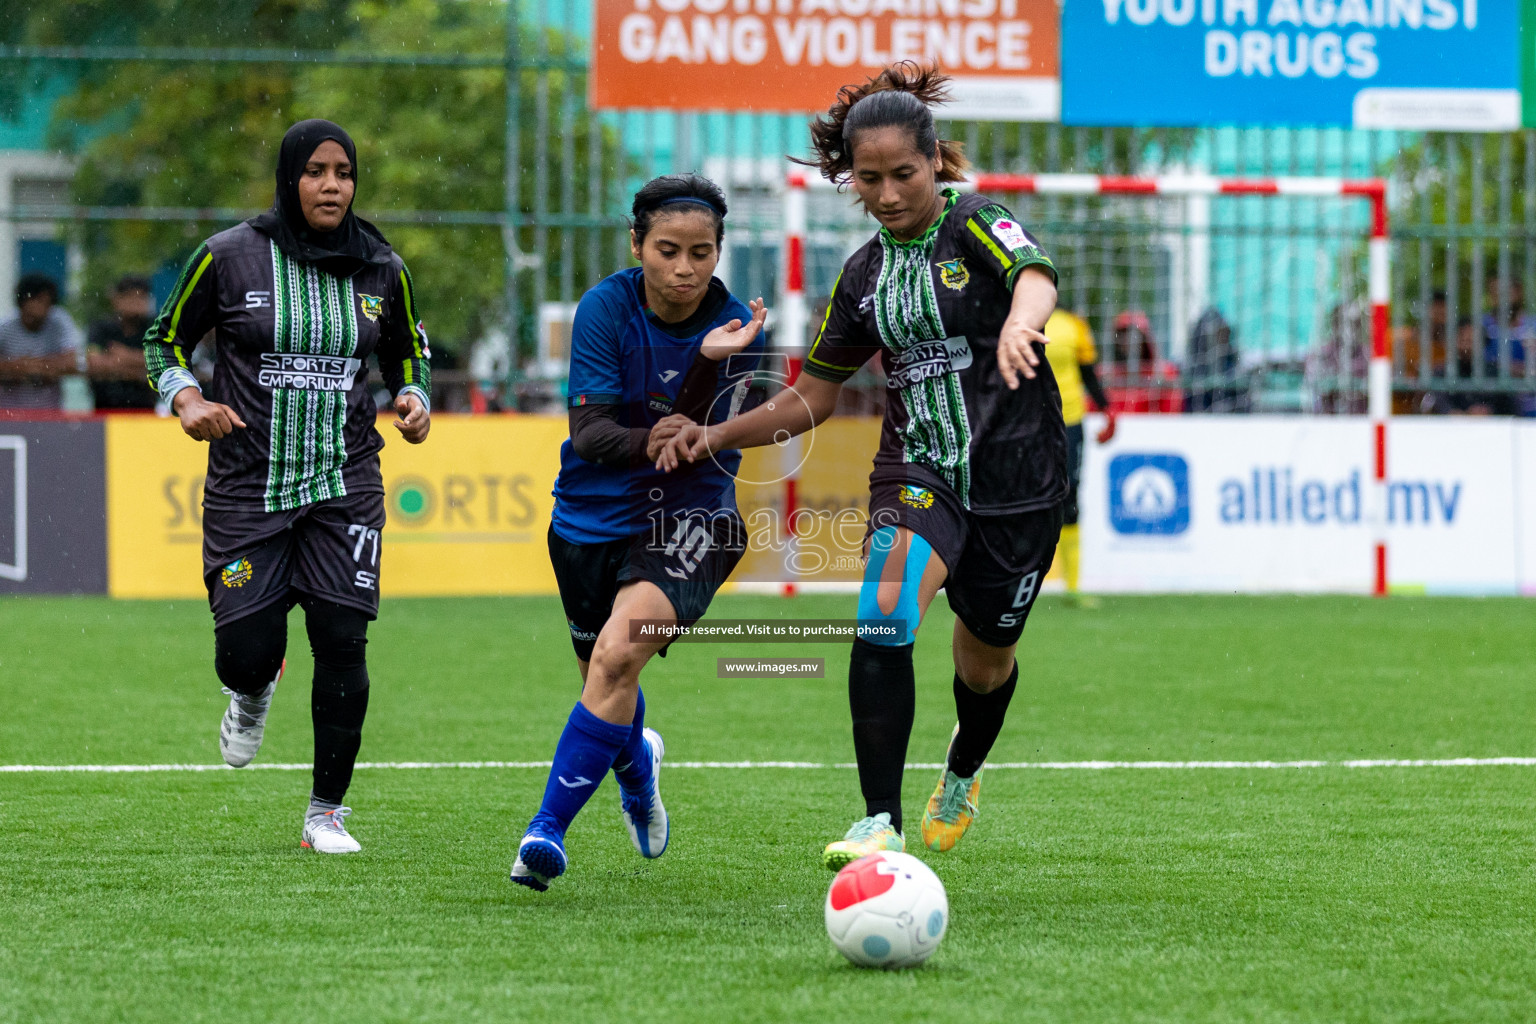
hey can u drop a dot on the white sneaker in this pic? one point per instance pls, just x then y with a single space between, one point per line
644 816
327 833
245 722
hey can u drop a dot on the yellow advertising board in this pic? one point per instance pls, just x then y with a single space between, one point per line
831 496
467 511
154 508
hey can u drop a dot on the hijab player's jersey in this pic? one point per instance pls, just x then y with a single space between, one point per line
933 309
293 343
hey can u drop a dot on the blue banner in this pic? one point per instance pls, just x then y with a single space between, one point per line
1413 64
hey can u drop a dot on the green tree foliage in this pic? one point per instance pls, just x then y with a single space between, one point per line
1464 213
205 134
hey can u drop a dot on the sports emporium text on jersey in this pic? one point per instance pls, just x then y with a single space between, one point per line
308 373
926 360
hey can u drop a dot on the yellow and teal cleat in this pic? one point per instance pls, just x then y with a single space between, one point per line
952 807
867 836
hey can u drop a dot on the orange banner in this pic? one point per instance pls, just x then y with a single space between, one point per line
793 55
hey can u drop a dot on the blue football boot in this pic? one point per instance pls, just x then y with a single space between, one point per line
644 816
540 857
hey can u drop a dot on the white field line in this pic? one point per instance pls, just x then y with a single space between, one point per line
1449 762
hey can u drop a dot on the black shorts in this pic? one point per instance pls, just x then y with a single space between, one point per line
1074 473
995 563
688 557
330 550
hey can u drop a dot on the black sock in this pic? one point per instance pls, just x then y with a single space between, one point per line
338 722
338 636
981 719
881 694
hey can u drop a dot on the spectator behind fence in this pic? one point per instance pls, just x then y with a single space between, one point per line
38 345
1337 366
1136 378
1211 367
1414 361
117 348
1450 399
1409 344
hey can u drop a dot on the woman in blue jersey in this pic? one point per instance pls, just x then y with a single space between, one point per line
653 348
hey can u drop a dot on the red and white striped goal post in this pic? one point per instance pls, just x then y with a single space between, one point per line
793 311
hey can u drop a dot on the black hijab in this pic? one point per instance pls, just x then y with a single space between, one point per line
354 243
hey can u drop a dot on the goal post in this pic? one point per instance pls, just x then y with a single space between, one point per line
793 312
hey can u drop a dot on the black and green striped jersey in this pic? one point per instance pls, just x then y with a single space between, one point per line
933 308
293 342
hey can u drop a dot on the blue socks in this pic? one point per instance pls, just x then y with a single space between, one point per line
586 751
633 765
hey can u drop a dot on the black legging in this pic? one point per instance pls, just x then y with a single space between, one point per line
249 651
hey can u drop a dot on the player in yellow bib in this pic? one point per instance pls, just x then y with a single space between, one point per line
1072 356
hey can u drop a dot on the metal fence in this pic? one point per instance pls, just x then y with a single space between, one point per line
1285 281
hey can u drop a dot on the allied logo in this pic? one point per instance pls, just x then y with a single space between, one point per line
917 497
237 573
373 305
953 275
666 376
1149 494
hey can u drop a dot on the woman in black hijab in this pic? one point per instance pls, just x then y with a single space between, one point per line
325 231
297 299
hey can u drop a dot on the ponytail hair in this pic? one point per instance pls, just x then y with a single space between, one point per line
901 96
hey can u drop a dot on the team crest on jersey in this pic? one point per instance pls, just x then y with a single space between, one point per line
237 573
917 497
373 305
953 275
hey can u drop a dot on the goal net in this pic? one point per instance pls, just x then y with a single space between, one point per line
1203 295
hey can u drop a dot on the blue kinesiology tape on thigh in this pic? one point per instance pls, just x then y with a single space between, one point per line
905 613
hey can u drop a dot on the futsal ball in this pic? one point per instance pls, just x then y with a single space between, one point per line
887 910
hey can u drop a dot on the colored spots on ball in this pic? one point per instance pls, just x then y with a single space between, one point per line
877 947
935 922
860 881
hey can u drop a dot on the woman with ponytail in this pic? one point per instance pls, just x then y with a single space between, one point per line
971 471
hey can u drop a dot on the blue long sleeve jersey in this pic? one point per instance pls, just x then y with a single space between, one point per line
622 355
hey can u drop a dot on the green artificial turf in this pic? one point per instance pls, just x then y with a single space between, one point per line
1320 894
